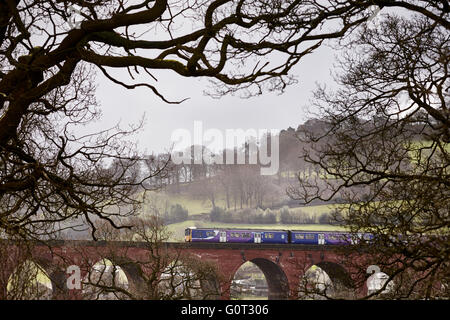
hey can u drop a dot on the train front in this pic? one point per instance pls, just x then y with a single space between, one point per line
188 234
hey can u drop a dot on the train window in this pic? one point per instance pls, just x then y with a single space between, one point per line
309 236
210 233
336 237
299 236
186 232
240 235
333 237
269 235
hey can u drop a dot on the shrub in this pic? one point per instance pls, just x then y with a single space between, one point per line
269 217
216 214
177 213
256 216
285 215
302 217
324 218
227 217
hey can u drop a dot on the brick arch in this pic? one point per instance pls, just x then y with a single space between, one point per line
212 285
283 265
56 274
58 278
276 278
342 284
131 270
337 273
42 263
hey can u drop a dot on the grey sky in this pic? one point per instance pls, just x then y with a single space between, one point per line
268 111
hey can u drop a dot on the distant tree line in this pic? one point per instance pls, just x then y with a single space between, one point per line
239 186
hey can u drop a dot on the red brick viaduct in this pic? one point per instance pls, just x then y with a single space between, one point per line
282 265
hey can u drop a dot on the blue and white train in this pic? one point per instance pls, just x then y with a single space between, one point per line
217 235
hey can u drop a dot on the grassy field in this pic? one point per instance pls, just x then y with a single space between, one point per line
199 206
326 208
177 229
194 206
421 150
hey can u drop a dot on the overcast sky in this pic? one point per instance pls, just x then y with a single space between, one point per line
268 111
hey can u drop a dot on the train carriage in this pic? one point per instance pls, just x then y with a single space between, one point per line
304 237
218 235
327 238
337 238
202 235
275 236
236 235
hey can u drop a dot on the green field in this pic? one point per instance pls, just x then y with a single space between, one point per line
195 207
162 200
177 229
325 208
199 206
420 151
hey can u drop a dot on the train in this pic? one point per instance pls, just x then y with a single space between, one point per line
231 235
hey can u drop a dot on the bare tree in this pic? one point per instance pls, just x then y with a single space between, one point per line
161 273
385 150
20 277
47 58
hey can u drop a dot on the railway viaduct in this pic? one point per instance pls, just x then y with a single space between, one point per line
282 265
